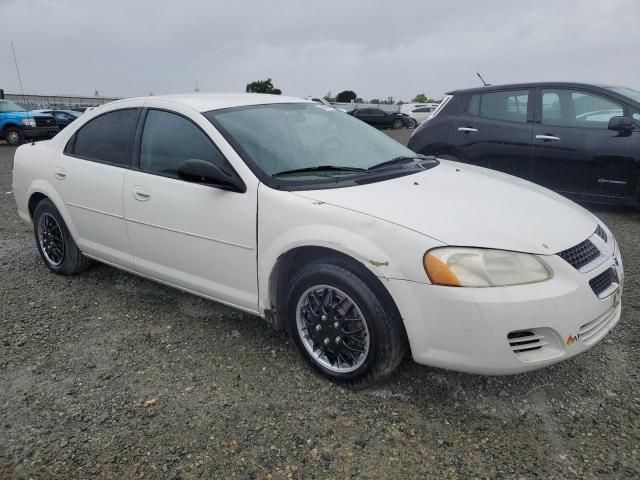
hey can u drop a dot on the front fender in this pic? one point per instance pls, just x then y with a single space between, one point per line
388 250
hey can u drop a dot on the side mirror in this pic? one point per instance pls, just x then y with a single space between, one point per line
206 173
621 124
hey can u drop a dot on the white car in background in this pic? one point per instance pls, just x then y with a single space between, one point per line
420 114
325 226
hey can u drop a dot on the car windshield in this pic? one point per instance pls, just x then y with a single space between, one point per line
7 106
627 92
306 141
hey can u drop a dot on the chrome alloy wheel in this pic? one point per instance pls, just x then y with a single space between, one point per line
50 239
332 329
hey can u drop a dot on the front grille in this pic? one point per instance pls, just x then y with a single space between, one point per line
601 233
581 255
45 121
601 282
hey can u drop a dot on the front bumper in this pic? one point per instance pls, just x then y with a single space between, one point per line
39 132
507 330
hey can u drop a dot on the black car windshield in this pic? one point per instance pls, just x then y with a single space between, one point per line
306 141
627 92
7 106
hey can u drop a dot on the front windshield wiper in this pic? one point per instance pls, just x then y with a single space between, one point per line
402 159
319 168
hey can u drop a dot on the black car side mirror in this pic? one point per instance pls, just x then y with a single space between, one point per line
621 124
207 173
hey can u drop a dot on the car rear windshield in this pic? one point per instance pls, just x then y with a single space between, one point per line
280 138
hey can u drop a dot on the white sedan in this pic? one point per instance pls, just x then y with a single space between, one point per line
325 226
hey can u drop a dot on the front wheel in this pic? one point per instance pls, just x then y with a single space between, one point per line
398 124
14 136
412 123
342 325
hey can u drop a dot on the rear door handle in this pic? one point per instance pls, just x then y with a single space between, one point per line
547 138
467 129
60 173
141 194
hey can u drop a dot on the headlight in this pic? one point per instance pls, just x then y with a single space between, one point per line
481 267
28 122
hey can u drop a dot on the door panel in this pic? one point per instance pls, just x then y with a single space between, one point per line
195 236
495 132
575 152
89 177
92 193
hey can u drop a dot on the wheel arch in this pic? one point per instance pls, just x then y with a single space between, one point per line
7 126
295 258
37 193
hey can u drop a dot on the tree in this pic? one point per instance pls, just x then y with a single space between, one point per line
346 96
422 98
374 100
263 86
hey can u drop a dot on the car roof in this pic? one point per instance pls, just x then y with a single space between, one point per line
204 102
514 86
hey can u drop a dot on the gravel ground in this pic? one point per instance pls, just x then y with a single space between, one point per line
111 376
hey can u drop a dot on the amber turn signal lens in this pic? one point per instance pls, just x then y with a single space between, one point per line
439 272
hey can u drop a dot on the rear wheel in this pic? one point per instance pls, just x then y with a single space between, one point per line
55 244
412 123
14 136
342 325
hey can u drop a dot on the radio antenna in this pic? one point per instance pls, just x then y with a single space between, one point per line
15 60
482 80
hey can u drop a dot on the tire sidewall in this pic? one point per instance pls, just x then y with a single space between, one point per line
352 285
18 132
46 206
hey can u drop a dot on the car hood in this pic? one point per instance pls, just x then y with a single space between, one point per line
464 205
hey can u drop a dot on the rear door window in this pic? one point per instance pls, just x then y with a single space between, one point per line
510 106
107 138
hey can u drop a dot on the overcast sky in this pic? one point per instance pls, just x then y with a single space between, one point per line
309 47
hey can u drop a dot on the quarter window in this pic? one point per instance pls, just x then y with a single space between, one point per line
578 109
510 106
107 138
169 140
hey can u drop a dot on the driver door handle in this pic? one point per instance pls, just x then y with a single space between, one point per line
547 138
467 129
141 194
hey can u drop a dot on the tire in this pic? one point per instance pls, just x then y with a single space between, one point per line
398 124
57 248
330 326
14 136
412 123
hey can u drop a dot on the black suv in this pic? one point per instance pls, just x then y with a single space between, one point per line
580 140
